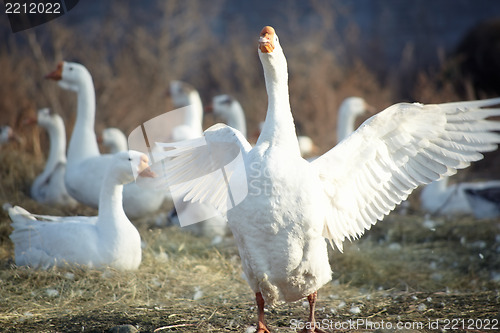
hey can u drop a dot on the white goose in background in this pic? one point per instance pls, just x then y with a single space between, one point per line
48 187
484 198
439 198
114 140
230 110
108 239
350 109
185 95
292 205
6 133
86 166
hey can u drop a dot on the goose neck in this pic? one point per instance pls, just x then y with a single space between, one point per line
279 128
83 143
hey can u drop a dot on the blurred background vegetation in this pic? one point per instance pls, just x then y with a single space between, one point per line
384 51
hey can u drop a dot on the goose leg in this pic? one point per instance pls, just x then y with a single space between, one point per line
261 327
312 328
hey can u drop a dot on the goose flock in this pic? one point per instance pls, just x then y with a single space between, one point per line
279 206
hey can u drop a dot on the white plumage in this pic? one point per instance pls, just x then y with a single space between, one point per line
349 110
114 140
230 110
472 198
292 205
86 167
6 134
108 239
49 187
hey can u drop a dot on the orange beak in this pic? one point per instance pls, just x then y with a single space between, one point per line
144 169
266 39
57 74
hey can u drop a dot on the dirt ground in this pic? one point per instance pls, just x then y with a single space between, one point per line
409 273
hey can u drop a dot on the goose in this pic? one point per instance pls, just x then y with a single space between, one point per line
114 140
349 110
229 109
211 224
86 166
281 207
484 198
6 133
48 187
109 239
186 96
466 198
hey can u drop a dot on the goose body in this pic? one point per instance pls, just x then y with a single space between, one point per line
108 239
6 134
49 187
479 199
280 207
484 198
86 167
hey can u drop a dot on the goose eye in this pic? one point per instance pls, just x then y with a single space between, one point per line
71 68
130 159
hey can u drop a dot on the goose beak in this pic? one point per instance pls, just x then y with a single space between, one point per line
57 74
144 170
266 40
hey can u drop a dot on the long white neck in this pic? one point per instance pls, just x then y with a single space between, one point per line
111 213
83 143
57 151
194 115
236 119
279 128
345 122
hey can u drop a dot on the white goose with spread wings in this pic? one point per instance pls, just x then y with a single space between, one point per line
292 205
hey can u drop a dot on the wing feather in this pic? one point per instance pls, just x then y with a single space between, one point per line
407 145
200 170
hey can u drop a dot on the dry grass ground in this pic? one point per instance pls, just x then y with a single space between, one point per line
405 270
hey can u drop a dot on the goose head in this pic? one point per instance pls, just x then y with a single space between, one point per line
113 139
271 55
268 40
180 92
223 106
356 106
130 160
70 75
46 118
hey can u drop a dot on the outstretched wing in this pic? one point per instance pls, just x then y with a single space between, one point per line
366 175
209 169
